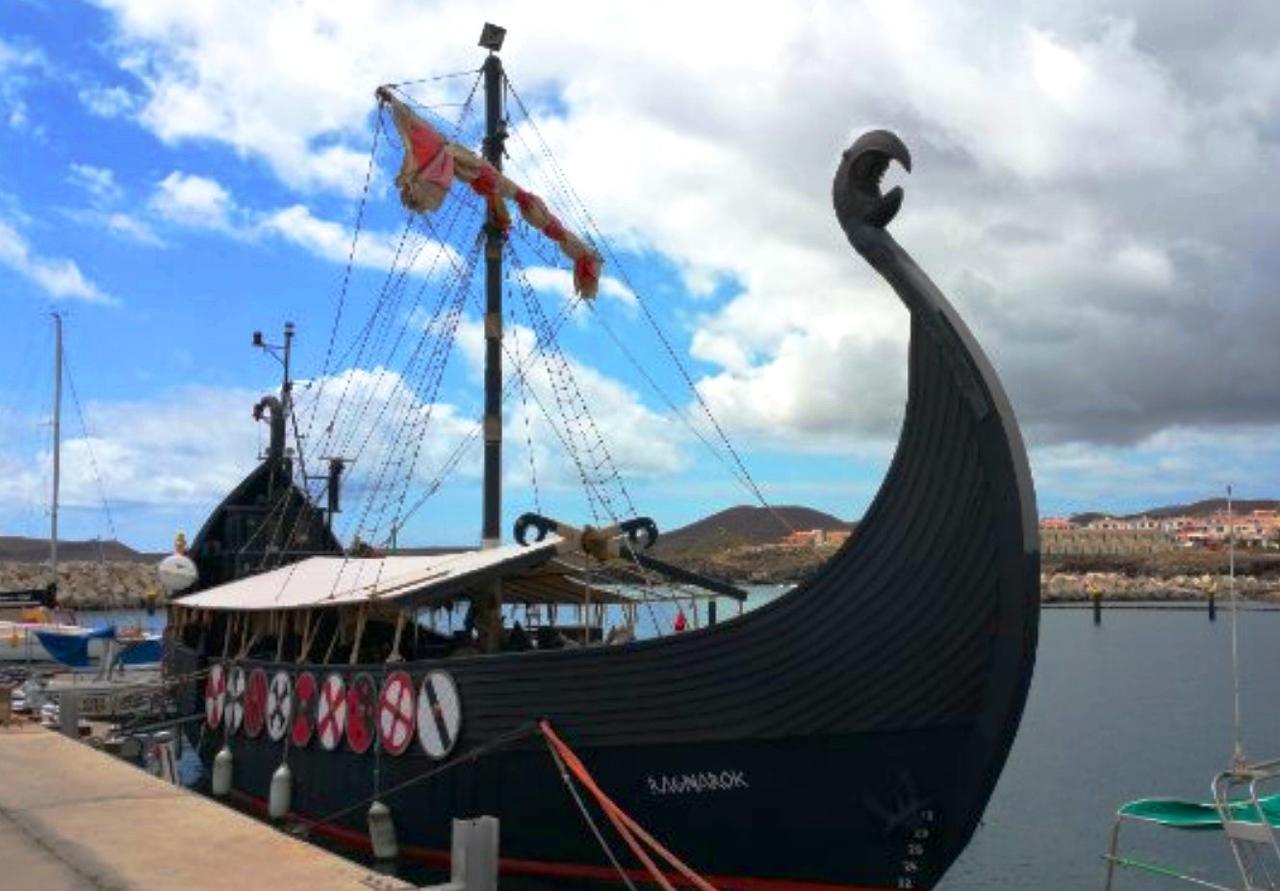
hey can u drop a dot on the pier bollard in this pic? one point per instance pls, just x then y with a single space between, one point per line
69 713
473 862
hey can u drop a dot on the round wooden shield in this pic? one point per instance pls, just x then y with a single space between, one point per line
233 711
439 714
215 694
279 705
362 709
255 703
331 712
396 717
305 690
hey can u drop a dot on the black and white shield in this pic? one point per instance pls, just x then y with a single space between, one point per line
439 714
279 705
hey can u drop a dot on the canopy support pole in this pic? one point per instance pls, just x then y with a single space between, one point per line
355 644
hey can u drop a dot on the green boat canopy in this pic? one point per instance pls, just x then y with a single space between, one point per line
1199 815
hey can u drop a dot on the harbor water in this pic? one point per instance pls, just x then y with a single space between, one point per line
1140 706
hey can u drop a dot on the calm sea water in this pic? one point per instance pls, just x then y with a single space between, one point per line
1140 706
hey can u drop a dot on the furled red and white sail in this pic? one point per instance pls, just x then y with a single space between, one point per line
431 162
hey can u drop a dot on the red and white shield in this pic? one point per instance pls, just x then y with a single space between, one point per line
397 713
331 712
255 703
362 708
304 709
215 694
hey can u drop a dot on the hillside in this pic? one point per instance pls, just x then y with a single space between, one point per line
744 526
1196 509
36 550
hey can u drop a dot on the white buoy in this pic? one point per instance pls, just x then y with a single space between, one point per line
382 832
281 792
222 772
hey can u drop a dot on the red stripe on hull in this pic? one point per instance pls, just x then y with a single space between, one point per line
439 859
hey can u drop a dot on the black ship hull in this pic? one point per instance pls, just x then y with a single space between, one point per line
846 736
800 814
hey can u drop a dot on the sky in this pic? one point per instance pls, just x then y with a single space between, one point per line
1092 188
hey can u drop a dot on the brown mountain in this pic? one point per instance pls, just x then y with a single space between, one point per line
744 525
36 550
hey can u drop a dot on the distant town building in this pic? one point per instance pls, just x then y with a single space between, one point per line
1144 534
816 538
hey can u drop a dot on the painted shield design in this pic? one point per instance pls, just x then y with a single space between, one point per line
305 690
362 708
233 711
331 712
255 703
439 714
215 694
279 705
396 713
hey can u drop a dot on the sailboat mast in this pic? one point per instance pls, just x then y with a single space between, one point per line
495 134
57 445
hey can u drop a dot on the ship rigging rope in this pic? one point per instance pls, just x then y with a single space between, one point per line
393 285
362 338
88 444
569 391
414 419
460 451
569 191
364 197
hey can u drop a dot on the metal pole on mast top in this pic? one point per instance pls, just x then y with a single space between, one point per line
57 446
495 135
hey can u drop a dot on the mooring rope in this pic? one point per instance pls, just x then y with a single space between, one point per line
629 829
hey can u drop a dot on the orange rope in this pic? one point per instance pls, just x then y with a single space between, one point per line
625 825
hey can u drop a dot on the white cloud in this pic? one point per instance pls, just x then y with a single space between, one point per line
99 182
1083 174
193 201
134 229
60 278
639 442
332 241
559 282
108 102
17 63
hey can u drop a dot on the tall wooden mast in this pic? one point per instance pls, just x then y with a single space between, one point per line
495 134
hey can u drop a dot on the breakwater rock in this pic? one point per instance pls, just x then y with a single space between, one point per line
84 584
1056 587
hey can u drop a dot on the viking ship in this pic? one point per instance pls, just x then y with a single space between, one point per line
846 735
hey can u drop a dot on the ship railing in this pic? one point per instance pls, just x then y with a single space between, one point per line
1241 808
1249 821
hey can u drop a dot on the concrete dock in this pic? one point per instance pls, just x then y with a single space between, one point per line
73 818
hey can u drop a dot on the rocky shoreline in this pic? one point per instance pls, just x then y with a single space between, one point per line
125 585
86 584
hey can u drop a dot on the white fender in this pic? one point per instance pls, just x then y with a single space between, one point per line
382 832
222 772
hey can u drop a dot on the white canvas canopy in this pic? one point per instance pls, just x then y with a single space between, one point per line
352 581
